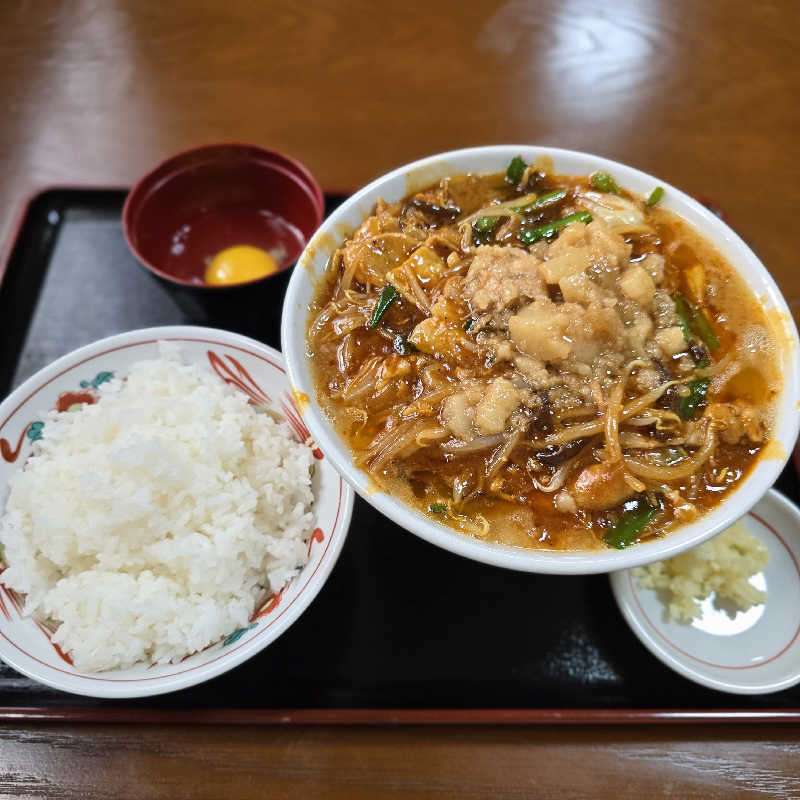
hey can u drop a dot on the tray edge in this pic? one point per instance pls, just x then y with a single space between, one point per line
399 716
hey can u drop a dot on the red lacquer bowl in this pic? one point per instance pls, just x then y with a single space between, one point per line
195 204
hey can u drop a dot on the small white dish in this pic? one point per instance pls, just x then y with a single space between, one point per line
251 367
757 651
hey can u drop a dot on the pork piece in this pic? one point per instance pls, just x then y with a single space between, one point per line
568 255
647 379
574 261
671 340
637 284
653 264
663 308
601 486
609 249
737 421
565 503
580 246
639 334
538 330
447 237
593 330
442 339
580 288
533 370
572 237
555 331
493 411
502 276
457 414
609 253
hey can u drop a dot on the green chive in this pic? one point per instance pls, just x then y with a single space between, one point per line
388 296
469 322
630 524
531 235
403 346
702 325
542 201
485 224
695 324
516 169
684 314
688 404
438 508
655 196
604 182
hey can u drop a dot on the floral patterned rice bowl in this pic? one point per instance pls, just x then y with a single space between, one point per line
251 367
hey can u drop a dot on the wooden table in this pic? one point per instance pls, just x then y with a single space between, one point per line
703 94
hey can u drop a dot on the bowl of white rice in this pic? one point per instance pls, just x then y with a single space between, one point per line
164 513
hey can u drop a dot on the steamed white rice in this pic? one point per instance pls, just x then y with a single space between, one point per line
149 525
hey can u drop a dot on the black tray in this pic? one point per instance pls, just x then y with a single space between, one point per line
402 631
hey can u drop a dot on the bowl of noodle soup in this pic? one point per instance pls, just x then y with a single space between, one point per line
542 359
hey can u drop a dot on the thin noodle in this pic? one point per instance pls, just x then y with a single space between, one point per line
501 456
689 466
498 209
613 411
349 271
557 479
419 294
593 428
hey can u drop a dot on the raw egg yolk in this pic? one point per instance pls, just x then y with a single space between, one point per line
239 264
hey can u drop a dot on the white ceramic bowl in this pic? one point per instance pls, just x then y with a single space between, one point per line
253 368
396 185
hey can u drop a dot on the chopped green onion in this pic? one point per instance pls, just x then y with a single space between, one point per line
531 235
702 325
695 324
542 201
468 323
630 524
684 314
403 346
688 404
388 296
655 196
604 182
516 169
437 508
485 224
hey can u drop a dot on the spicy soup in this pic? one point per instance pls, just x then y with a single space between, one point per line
543 360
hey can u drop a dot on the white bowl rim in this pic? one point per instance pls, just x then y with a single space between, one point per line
103 685
721 236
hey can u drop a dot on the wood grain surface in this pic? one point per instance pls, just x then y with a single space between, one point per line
176 762
703 94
